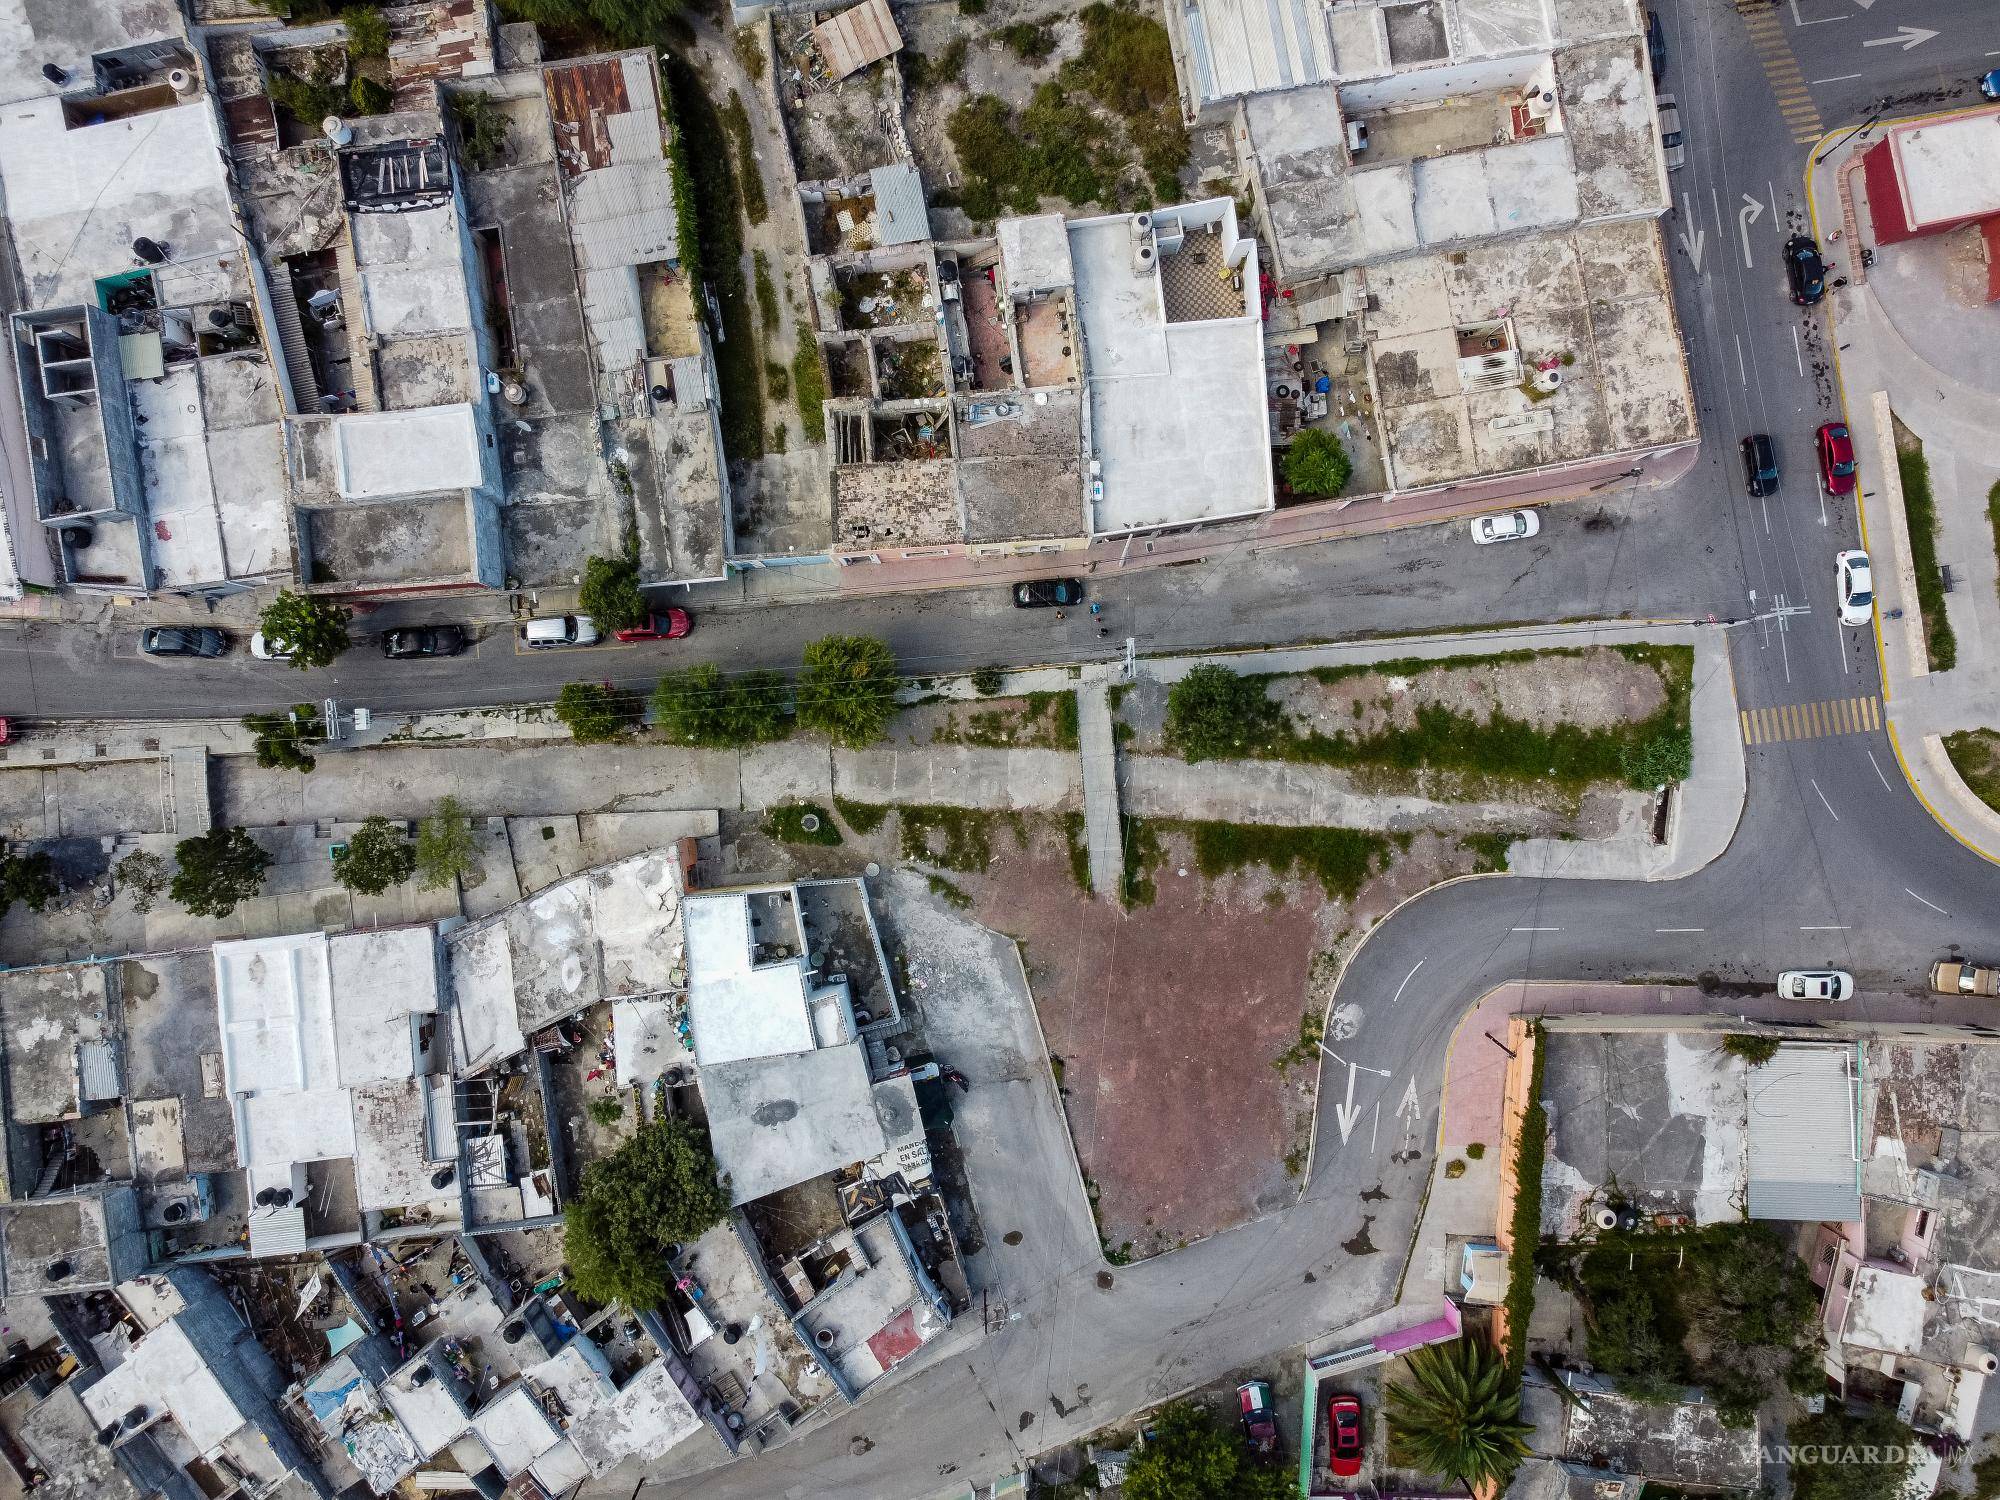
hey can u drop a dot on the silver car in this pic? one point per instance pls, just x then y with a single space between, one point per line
1670 133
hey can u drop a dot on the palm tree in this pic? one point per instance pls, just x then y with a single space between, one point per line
1458 1415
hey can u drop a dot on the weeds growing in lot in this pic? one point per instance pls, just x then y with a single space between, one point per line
1920 510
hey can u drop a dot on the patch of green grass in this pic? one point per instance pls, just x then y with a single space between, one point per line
1141 843
787 824
1920 510
1640 754
715 209
1079 850
1312 1031
809 387
1127 65
1975 755
1488 850
948 66
959 838
1031 41
750 52
1116 694
767 293
945 891
749 180
863 817
1341 858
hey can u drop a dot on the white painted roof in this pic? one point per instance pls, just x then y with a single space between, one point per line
514 1431
1885 1310
737 1011
163 1372
380 454
381 978
1950 169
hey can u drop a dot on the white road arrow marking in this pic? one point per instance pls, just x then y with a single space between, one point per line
1751 211
1346 1114
1864 4
1693 246
1905 38
1410 1107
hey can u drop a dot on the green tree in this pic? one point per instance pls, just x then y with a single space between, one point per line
370 96
1458 1414
313 630
367 31
143 874
480 126
848 690
699 706
1317 464
629 23
1625 1342
658 1188
1849 1455
1214 713
216 870
592 710
281 739
1190 1457
376 857
29 879
610 593
445 850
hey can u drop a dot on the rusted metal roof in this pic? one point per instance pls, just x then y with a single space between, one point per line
855 38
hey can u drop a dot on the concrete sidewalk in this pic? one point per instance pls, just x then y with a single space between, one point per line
1872 324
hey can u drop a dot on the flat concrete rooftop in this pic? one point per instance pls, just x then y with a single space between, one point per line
1178 427
1950 169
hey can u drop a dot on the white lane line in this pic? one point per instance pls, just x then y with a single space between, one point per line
1840 646
1841 928
1878 771
1798 353
1680 929
1837 78
1778 224
1537 929
1931 904
1406 981
1822 798
1742 372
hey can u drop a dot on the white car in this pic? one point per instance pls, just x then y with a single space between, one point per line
559 630
269 648
1816 984
1855 582
1671 141
1506 526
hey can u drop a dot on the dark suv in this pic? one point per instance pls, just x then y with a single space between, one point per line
1760 465
1805 270
183 640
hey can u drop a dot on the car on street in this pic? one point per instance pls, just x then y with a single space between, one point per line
1671 140
1816 984
1259 1424
670 626
1836 458
559 630
1046 593
1855 581
269 647
184 640
1804 269
1952 978
1506 526
418 641
1343 1435
1760 465
1656 46
1990 84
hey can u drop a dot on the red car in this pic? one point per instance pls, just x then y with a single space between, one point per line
670 626
1836 458
1343 1421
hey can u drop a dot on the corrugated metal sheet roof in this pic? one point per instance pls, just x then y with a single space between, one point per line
278 1231
1248 46
855 38
900 218
1801 1135
623 215
611 309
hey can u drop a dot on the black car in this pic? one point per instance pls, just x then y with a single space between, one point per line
1760 465
1804 268
1656 46
423 640
184 640
1041 593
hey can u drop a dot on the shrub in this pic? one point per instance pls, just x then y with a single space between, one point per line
809 389
1317 464
699 706
988 680
1920 510
1659 759
445 851
592 711
848 689
145 876
607 1109
1214 713
1754 1050
369 96
308 101
749 180
1853 1449
1526 1229
1031 41
281 739
29 879
480 127
610 593
367 31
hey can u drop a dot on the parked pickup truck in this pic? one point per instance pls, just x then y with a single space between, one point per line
1949 978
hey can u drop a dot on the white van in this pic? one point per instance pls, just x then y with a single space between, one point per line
560 630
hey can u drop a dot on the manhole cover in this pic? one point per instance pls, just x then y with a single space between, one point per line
1104 1281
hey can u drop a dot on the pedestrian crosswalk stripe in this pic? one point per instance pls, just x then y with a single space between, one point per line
1824 719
